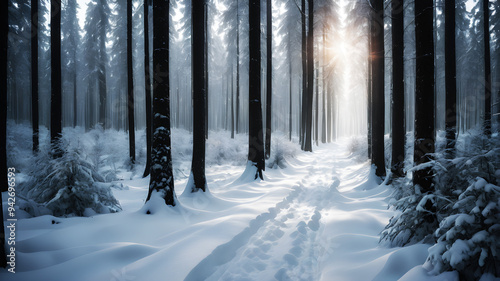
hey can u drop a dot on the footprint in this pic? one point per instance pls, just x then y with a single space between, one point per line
290 259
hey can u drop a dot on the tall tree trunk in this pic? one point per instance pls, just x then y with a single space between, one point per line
424 93
56 89
269 77
369 90
130 88
450 77
398 88
378 102
162 179
316 113
310 78
232 103
290 115
205 67
303 114
487 68
102 70
4 29
147 91
237 66
34 74
323 79
197 179
255 132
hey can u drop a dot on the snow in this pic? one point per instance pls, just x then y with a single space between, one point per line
318 217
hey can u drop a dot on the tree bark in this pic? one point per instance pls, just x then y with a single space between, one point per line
130 88
255 132
56 89
487 68
304 76
398 88
199 87
162 179
310 78
34 75
4 29
147 91
290 115
102 70
450 78
269 77
237 121
378 103
424 93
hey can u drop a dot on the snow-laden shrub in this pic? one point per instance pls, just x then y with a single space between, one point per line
468 239
416 217
419 214
69 185
281 149
358 148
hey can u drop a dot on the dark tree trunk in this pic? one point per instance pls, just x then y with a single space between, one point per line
398 88
323 79
34 74
269 77
369 87
237 121
316 113
147 90
304 76
162 178
487 68
56 89
198 41
232 103
378 103
424 93
4 29
102 70
255 132
205 67
310 78
450 78
290 115
130 88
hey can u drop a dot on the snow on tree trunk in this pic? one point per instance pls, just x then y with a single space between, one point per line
199 181
162 180
255 133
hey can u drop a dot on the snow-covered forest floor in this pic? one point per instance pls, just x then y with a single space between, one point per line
318 218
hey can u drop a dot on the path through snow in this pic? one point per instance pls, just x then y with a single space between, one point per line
293 241
318 219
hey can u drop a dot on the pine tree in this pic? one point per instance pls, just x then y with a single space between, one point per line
237 120
450 77
198 180
269 76
378 104
34 74
4 31
424 94
130 88
162 179
304 74
56 89
147 90
487 68
398 94
310 78
255 132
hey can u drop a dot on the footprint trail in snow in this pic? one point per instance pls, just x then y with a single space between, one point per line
283 243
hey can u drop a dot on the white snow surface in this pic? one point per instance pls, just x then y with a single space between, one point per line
317 219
